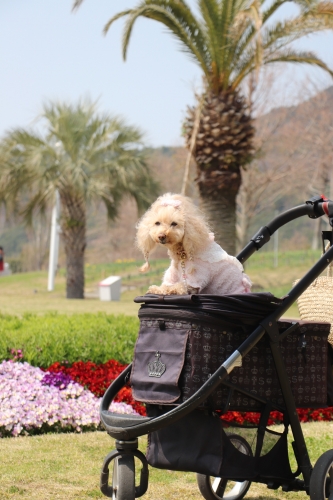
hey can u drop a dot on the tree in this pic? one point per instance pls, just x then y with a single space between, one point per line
229 40
274 171
86 157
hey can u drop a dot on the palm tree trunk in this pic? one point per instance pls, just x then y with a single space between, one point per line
221 213
74 273
73 226
223 145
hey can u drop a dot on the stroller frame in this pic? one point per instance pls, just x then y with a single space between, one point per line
127 428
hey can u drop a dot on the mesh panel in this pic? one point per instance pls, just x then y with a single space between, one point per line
250 434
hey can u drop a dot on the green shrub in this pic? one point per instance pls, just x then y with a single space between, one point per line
57 337
15 265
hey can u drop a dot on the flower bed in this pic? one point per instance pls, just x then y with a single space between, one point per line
276 417
35 402
66 398
97 379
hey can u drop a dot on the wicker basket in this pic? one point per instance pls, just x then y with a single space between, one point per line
316 303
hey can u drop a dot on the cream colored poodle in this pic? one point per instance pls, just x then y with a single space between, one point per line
198 263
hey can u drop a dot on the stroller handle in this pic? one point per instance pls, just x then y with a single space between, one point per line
313 208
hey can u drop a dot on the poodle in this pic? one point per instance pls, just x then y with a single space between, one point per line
198 263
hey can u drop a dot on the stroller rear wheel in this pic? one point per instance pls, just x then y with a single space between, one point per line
321 482
217 488
123 478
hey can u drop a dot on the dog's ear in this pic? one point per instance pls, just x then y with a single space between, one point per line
196 235
144 243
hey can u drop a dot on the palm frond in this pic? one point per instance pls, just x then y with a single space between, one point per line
277 37
301 57
115 18
272 8
229 38
178 18
38 203
254 16
77 4
210 11
284 32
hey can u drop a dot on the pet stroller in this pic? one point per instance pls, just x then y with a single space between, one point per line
197 357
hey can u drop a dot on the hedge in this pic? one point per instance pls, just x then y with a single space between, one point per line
53 337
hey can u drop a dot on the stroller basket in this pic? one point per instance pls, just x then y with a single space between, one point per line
181 345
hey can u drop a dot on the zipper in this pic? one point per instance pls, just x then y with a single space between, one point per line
182 314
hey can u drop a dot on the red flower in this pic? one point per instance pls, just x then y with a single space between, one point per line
276 417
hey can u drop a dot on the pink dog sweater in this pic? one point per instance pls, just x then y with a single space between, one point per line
213 271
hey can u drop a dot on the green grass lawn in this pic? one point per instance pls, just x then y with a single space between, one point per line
27 292
67 467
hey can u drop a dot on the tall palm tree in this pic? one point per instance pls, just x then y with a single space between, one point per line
229 40
87 158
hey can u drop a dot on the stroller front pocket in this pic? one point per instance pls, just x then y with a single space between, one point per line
158 361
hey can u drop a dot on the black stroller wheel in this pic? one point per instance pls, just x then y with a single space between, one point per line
321 482
123 478
217 488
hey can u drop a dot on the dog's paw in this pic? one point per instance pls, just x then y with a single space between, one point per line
191 290
176 289
155 290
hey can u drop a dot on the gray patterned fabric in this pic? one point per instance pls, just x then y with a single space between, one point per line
307 367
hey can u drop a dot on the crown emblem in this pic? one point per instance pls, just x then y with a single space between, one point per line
156 368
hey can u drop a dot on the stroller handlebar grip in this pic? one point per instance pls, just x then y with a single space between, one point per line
313 208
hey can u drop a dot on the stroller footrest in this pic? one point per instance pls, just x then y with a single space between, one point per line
122 420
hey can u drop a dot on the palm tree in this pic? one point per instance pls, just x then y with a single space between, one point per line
87 158
229 40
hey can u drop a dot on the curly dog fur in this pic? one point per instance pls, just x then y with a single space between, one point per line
198 263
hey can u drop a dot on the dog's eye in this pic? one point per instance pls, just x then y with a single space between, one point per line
157 223
173 223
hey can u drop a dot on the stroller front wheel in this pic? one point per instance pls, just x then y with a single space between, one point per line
123 478
321 482
218 488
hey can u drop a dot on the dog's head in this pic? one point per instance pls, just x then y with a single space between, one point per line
172 220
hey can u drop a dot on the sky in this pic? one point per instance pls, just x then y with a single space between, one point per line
50 53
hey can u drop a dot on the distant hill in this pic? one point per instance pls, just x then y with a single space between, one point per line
300 139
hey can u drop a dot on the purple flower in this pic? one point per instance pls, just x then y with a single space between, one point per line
59 379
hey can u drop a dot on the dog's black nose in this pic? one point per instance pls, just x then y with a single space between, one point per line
162 238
